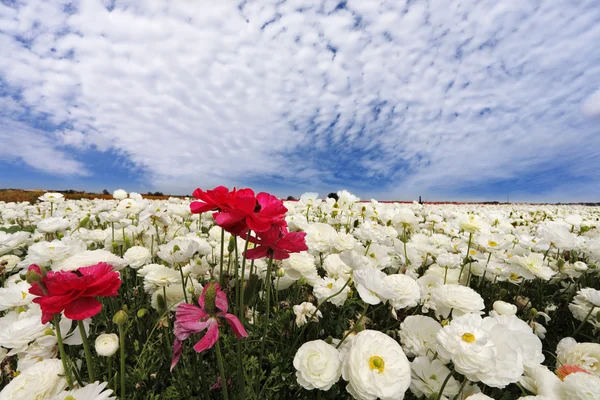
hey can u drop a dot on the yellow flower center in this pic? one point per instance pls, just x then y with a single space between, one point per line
468 337
473 252
23 295
514 276
491 243
330 285
377 363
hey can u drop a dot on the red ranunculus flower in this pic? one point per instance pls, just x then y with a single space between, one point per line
210 200
277 241
246 211
75 292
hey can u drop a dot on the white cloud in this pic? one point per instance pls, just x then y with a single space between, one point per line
424 95
591 107
33 147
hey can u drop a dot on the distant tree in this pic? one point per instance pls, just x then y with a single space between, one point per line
333 195
105 192
158 194
291 198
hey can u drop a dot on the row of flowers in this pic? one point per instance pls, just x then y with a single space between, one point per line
342 298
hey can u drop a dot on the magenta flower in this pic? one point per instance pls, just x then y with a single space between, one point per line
190 319
277 242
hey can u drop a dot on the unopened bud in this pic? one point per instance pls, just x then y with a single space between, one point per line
120 317
231 245
115 245
503 293
20 309
125 308
34 274
60 235
302 281
127 241
161 303
84 222
142 313
533 312
48 332
280 273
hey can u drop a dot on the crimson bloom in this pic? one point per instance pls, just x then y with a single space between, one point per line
256 213
277 242
210 200
74 292
190 319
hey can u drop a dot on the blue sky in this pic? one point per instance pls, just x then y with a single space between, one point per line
451 100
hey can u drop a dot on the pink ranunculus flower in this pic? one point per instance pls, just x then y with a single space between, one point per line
190 319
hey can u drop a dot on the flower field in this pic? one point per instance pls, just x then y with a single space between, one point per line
239 295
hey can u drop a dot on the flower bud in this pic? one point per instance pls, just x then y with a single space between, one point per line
280 273
503 293
34 274
142 313
83 222
161 303
49 332
231 245
302 281
107 344
120 317
504 308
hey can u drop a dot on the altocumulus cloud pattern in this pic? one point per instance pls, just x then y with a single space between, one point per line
453 99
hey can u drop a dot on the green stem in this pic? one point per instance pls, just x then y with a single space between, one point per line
61 349
268 284
466 258
222 257
440 394
88 353
221 370
182 285
122 354
584 321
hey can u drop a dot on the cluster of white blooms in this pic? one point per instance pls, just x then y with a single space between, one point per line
438 272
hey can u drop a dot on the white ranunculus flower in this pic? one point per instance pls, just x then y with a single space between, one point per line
318 365
376 367
335 267
581 386
53 224
584 355
402 291
304 311
18 329
457 299
428 377
479 396
88 258
41 381
532 266
369 283
52 197
504 308
540 380
16 293
9 262
137 256
178 250
326 287
91 391
119 194
418 335
301 264
320 237
107 344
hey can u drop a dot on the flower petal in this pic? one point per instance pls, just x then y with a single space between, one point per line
82 308
236 326
210 337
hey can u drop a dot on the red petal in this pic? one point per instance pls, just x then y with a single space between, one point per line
177 348
209 339
236 326
82 308
257 252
